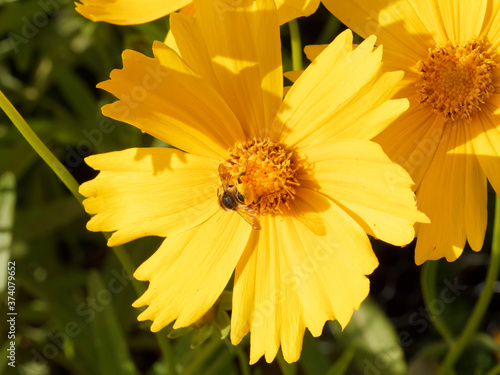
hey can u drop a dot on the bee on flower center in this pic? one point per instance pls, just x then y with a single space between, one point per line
265 183
239 198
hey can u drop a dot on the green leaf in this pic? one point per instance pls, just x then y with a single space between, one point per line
312 360
77 93
372 335
423 366
7 205
18 16
15 156
222 364
226 300
223 323
176 333
113 355
342 364
47 218
485 341
201 335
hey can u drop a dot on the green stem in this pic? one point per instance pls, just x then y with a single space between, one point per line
285 367
166 351
206 352
72 186
242 360
296 45
330 29
482 304
428 284
40 147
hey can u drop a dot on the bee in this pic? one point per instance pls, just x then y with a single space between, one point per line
237 198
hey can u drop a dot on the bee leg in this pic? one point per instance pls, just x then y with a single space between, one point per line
242 173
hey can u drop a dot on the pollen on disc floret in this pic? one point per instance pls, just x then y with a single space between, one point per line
269 169
456 80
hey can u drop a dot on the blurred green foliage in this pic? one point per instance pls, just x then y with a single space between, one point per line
73 297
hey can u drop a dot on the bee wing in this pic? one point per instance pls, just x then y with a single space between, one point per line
250 216
225 176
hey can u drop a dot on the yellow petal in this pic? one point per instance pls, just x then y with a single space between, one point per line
476 197
258 295
397 60
463 19
292 75
127 12
430 14
188 10
170 41
397 24
291 9
313 51
375 191
491 26
247 64
486 142
189 271
341 94
150 192
413 139
289 278
191 44
336 262
162 96
393 59
442 196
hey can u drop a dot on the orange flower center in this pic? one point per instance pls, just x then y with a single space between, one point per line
455 80
268 170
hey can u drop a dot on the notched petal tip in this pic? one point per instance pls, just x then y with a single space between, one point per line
116 239
450 254
404 103
88 189
367 47
144 316
139 302
345 37
371 40
91 204
158 46
93 161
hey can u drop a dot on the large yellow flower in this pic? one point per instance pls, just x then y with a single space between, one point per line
449 139
317 183
131 12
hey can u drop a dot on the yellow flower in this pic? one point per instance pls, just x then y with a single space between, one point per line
131 12
318 183
449 139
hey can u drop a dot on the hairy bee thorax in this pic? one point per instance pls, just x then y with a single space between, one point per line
456 80
268 172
